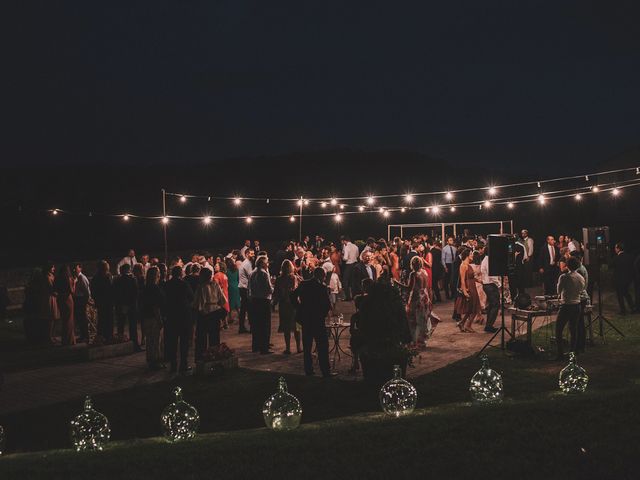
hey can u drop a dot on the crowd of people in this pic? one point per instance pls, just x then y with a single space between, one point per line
167 308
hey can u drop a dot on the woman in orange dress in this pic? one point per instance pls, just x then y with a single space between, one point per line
220 277
469 301
395 262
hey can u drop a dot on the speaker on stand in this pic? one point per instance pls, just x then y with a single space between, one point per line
502 262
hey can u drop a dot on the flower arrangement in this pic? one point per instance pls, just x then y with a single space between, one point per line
100 341
218 352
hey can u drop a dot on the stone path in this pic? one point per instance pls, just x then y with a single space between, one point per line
33 388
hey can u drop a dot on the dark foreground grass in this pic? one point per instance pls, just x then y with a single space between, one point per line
536 433
591 436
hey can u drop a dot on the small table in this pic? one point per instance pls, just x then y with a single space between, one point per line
528 317
335 331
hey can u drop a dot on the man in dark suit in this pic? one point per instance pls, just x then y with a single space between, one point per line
437 270
516 278
179 300
125 296
312 300
623 274
548 265
363 269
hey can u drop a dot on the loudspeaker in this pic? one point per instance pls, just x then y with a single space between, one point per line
596 245
502 255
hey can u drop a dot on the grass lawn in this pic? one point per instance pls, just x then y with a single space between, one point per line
536 433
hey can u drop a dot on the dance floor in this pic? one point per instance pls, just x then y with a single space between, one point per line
47 385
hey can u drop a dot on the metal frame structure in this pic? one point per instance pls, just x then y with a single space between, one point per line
444 225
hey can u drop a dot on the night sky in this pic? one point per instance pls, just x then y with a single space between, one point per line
552 84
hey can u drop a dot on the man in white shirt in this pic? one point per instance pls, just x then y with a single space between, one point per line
130 259
244 272
491 287
528 244
349 258
243 250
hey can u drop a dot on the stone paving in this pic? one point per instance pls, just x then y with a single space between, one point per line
42 386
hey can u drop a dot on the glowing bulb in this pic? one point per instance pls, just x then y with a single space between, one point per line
361 208
206 220
370 200
595 189
453 209
183 198
493 190
125 217
54 211
578 196
342 206
449 196
428 209
248 220
306 202
385 213
338 217
541 199
323 204
237 201
300 202
408 198
381 210
403 209
487 204
510 205
436 209
165 220
334 202
292 218
615 192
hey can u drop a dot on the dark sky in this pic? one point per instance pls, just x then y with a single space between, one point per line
497 82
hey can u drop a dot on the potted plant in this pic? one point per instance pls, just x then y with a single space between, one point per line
216 359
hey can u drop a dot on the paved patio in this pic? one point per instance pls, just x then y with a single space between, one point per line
42 386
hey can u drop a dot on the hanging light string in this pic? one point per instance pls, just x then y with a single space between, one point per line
538 183
344 209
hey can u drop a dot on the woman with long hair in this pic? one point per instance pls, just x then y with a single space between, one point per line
220 277
209 302
152 305
49 272
64 287
419 303
286 283
469 302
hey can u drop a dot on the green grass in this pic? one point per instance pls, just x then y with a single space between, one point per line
537 431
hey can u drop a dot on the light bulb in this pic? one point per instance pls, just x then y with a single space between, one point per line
487 204
206 220
578 196
385 213
361 208
165 220
248 220
306 202
428 209
408 198
334 202
435 209
323 204
342 206
54 211
370 200
453 209
595 189
183 198
237 201
292 218
449 196
541 199
403 209
338 217
125 217
510 205
615 192
493 190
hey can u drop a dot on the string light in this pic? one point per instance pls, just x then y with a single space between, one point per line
381 210
334 202
338 217
370 200
237 201
449 196
541 199
248 220
493 191
408 198
361 208
125 217
510 205
578 196
306 202
403 209
435 210
428 209
183 198
487 204
300 202
292 219
615 192
55 211
453 209
342 206
206 220
595 189
165 220
323 204
385 213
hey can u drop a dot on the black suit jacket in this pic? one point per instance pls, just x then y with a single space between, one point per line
312 301
623 273
544 261
359 274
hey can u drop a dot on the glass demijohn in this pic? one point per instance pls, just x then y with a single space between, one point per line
282 411
573 378
486 384
180 420
398 397
90 430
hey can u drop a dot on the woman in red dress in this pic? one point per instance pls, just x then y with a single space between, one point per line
469 303
220 277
